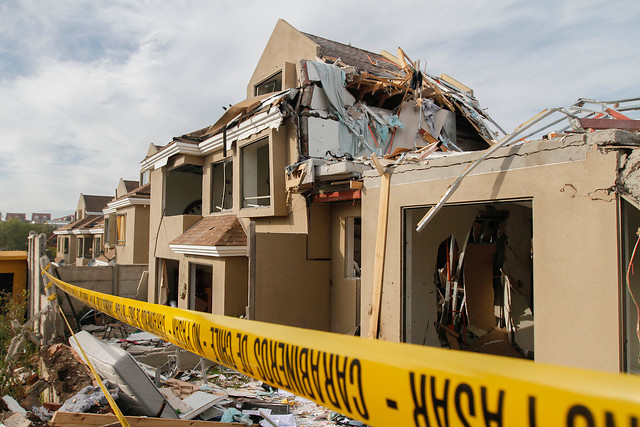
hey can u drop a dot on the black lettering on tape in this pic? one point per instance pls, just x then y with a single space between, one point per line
532 411
341 379
257 350
461 389
305 380
290 363
580 412
359 403
329 385
281 365
243 352
609 420
440 403
420 411
315 372
489 416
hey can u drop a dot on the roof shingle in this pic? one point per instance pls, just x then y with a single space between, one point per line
222 230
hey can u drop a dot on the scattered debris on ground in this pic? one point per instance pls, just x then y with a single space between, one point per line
189 387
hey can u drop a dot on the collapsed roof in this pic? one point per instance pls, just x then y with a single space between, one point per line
384 103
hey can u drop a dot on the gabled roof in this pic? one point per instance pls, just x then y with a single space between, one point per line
87 223
141 191
131 185
96 203
362 59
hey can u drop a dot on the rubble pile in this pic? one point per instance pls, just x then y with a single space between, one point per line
189 387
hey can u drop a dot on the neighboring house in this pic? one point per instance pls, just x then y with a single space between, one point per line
260 212
40 217
127 223
13 272
19 216
82 240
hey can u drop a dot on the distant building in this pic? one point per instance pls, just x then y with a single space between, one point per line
20 216
40 217
13 272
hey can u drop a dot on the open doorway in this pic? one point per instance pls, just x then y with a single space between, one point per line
468 278
201 287
168 281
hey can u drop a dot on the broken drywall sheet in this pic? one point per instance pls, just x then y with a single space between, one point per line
324 137
478 279
117 365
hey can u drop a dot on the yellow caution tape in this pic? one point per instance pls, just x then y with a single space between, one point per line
388 384
52 297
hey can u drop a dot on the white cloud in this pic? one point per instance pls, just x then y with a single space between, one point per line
86 86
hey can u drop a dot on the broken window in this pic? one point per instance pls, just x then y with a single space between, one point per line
469 279
65 245
256 188
201 284
120 229
183 190
222 186
353 259
271 84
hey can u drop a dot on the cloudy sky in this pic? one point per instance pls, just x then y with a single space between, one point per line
85 86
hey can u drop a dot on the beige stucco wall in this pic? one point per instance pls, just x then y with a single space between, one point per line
136 247
575 241
289 288
286 44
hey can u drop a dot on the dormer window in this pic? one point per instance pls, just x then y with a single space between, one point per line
271 84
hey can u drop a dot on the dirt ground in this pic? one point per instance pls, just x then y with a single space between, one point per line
64 370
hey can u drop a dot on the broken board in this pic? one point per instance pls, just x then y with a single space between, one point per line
478 284
68 419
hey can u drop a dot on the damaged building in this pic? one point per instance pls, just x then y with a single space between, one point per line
526 259
224 213
309 203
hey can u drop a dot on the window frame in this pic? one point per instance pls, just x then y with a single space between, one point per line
227 167
257 144
273 78
121 229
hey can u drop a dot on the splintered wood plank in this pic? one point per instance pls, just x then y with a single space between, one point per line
378 267
610 124
69 419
